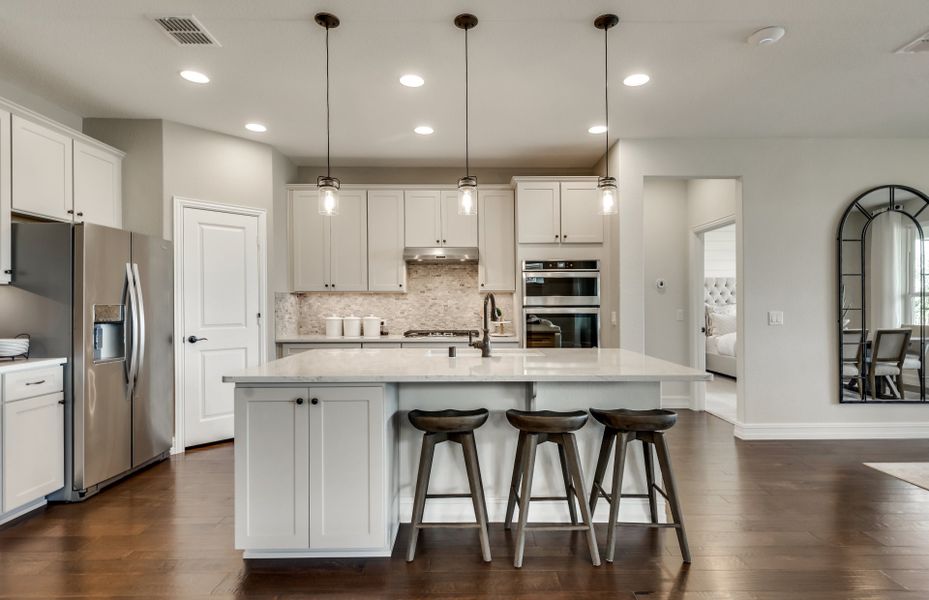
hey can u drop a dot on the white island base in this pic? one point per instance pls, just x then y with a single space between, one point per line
327 467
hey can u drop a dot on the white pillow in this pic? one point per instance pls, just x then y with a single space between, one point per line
722 323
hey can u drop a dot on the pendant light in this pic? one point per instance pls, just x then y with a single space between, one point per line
606 185
467 185
327 185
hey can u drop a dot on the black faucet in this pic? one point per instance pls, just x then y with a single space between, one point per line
484 344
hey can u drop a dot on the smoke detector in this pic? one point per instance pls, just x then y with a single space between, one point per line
767 36
186 30
920 44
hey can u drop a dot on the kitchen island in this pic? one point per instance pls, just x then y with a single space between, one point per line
325 459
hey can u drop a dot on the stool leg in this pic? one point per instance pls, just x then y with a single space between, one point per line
469 449
619 466
664 460
606 444
574 464
568 486
422 487
531 443
514 481
650 480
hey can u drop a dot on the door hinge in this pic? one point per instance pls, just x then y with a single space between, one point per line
259 316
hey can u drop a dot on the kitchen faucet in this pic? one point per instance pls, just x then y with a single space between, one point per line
484 344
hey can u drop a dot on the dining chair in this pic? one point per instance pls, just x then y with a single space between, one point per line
853 352
887 357
913 359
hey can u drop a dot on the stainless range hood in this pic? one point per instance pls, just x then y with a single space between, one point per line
440 255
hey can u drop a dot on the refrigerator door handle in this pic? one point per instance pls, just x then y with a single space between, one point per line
132 314
140 314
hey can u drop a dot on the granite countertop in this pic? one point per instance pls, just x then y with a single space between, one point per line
321 339
8 366
406 365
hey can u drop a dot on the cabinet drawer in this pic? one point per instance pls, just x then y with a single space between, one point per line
31 383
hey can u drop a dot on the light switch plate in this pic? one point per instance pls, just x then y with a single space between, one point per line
680 314
775 317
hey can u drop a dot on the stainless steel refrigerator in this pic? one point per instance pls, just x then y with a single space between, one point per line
104 298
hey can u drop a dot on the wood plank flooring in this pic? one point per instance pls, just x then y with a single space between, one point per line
766 520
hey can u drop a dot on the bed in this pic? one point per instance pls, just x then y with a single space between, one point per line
719 296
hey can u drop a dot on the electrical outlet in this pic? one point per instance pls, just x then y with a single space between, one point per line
775 317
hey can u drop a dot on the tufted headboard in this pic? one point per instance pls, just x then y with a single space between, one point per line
719 291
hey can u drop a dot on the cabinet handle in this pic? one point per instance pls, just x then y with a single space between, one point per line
314 401
35 382
299 401
80 214
61 402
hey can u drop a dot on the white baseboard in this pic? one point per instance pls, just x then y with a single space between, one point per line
452 510
675 402
831 431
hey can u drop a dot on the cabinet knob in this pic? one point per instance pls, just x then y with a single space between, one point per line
333 286
556 236
444 241
61 402
80 214
314 401
482 285
400 284
438 242
299 400
70 212
327 285
565 236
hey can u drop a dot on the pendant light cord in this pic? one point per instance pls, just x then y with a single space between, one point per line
467 140
606 96
328 153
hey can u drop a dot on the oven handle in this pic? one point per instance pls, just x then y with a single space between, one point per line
565 311
563 274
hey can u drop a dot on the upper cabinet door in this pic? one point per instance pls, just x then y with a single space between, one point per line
496 213
97 186
5 204
581 222
538 212
386 268
348 246
422 219
458 231
42 166
309 233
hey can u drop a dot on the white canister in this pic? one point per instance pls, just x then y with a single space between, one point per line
351 326
333 327
372 326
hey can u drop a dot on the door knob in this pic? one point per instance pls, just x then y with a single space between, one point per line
194 339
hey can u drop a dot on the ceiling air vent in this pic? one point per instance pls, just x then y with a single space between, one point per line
920 44
186 31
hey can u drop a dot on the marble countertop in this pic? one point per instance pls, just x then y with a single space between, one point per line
8 366
409 365
395 339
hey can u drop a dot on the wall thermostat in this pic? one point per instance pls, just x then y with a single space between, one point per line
659 283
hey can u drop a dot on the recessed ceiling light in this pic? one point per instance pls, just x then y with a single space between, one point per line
411 80
424 130
256 127
195 76
636 79
597 129
767 36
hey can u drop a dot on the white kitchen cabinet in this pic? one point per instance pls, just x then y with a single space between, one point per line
5 203
458 231
272 450
581 221
33 449
538 212
291 349
432 220
386 267
496 213
347 468
97 185
41 170
329 253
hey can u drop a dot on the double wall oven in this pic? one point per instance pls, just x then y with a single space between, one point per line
561 303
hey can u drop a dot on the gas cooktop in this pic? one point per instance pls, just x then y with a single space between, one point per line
438 333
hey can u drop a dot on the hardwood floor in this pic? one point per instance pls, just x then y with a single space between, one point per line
766 521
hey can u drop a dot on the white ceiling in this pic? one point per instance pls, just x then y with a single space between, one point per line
536 68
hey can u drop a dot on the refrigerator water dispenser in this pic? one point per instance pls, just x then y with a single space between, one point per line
109 332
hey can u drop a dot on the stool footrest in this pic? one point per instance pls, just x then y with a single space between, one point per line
446 525
461 495
557 527
648 525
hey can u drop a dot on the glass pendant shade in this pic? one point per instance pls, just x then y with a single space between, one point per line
328 195
467 196
609 196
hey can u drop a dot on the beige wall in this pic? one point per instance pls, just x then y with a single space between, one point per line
427 175
49 107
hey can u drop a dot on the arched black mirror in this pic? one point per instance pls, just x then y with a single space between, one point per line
882 311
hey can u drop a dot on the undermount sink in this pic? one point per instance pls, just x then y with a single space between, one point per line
475 353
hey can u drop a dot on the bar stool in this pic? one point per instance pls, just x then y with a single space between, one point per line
537 427
648 426
449 426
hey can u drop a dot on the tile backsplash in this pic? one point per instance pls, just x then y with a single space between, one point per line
438 297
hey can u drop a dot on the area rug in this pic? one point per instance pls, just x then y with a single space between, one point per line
916 473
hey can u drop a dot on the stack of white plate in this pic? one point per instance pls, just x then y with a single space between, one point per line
13 347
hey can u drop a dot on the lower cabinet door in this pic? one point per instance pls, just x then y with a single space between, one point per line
272 468
347 509
33 449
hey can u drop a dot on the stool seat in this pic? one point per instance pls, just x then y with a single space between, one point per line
546 421
448 421
624 419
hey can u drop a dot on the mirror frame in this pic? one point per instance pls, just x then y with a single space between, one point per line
841 241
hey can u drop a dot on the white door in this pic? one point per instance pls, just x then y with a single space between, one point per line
422 219
221 333
537 212
581 222
309 235
5 206
386 268
33 449
458 231
42 166
496 212
97 186
348 243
